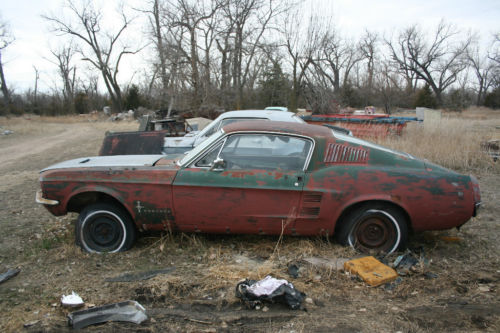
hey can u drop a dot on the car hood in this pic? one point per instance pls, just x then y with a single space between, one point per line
181 141
108 161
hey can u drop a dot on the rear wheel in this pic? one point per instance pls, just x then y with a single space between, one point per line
103 228
374 229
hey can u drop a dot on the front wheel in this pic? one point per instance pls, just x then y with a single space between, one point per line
374 229
103 228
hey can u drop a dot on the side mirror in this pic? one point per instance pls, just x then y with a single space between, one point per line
218 165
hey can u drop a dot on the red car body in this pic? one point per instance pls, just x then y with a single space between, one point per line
340 175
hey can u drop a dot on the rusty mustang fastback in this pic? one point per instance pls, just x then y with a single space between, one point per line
261 177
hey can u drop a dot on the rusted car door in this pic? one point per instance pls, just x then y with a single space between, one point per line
255 186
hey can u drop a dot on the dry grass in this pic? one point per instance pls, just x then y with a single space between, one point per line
478 112
453 142
36 125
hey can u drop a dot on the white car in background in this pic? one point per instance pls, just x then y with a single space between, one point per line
179 145
277 108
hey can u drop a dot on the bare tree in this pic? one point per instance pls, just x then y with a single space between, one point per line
155 13
495 53
336 58
484 69
301 47
437 62
6 39
225 47
37 77
368 48
168 40
389 85
250 19
67 72
402 62
190 15
85 25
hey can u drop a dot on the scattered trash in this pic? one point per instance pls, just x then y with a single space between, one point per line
129 115
451 239
11 272
484 289
332 264
31 323
370 270
199 321
7 132
392 285
293 270
405 263
139 276
72 301
130 311
492 148
270 289
430 275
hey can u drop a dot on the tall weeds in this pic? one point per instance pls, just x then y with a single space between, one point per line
451 142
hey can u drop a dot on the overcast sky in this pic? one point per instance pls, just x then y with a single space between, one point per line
33 39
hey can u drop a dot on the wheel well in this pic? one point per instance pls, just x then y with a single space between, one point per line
357 205
81 200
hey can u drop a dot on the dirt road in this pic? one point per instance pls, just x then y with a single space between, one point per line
198 295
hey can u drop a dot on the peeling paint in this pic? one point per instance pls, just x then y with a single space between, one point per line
166 196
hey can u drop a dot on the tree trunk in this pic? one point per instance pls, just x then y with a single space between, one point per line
5 90
161 55
295 88
195 76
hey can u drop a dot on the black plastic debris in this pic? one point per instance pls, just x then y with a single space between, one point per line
392 285
9 274
130 311
139 276
405 263
271 290
430 275
293 270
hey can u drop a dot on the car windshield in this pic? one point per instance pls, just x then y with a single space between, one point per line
192 153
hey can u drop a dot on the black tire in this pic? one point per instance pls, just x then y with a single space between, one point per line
104 227
374 228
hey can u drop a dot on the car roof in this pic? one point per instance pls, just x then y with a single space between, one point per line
279 127
270 114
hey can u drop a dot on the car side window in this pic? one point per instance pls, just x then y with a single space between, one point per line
265 151
208 159
228 121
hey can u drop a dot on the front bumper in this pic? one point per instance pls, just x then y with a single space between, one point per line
41 200
476 208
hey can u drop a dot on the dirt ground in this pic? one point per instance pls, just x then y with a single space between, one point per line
198 294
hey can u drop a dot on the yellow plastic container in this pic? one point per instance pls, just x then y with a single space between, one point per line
371 270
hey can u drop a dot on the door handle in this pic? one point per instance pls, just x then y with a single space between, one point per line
299 180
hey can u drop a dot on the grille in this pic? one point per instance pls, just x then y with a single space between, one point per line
311 203
312 197
310 211
337 153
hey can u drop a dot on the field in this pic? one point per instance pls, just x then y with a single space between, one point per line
461 294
